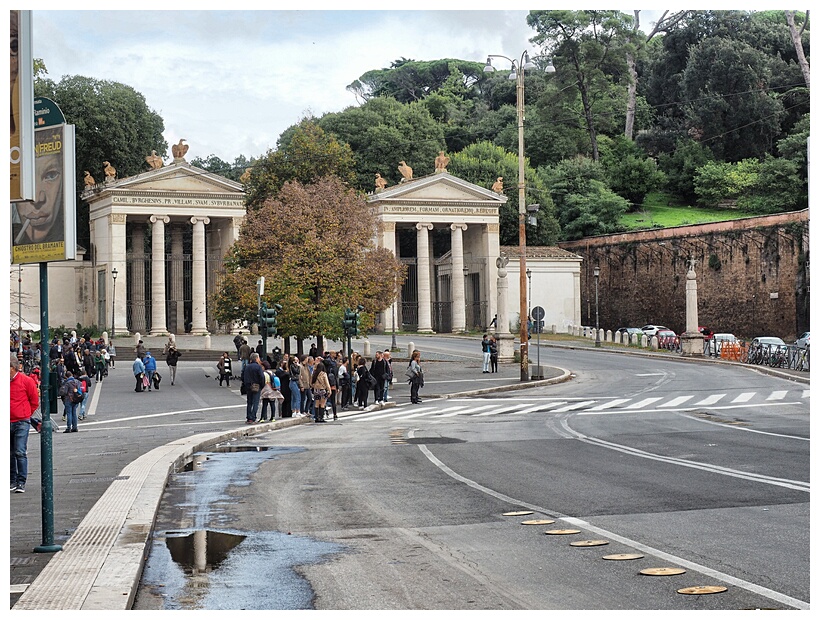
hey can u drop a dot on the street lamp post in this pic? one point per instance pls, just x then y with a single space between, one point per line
114 303
529 297
517 74
597 272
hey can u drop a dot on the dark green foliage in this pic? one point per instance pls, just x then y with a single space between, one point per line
629 172
214 164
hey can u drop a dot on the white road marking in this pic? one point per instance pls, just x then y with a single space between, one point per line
710 400
677 401
610 404
744 398
806 393
469 411
501 411
643 403
573 406
778 395
652 374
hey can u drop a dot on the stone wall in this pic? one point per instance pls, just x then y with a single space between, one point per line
753 276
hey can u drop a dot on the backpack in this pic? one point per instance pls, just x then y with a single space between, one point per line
75 397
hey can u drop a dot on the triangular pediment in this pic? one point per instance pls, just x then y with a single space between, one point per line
440 187
180 177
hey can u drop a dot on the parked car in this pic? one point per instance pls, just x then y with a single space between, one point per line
721 338
651 330
666 333
770 341
629 330
803 341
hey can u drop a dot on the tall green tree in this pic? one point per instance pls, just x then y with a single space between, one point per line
305 152
314 245
113 123
214 164
482 164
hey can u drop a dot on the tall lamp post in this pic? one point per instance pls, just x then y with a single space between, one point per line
529 301
114 303
517 73
596 272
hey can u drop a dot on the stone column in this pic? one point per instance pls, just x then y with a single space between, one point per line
459 301
199 324
389 243
177 270
423 268
505 340
691 341
138 278
159 323
120 289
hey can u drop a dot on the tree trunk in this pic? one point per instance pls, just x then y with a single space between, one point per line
631 93
798 45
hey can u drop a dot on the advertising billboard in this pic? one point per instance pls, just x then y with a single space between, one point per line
44 229
21 144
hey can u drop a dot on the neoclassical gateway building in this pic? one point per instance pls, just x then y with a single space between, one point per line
165 232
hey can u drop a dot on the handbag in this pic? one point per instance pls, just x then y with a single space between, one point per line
254 388
242 389
145 381
410 373
371 381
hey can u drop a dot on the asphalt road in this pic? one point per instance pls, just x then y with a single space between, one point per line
702 468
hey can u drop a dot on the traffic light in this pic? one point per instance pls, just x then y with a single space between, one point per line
267 319
350 323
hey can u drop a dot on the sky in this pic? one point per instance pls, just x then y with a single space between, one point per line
230 82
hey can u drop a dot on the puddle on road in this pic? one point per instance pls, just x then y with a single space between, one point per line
211 567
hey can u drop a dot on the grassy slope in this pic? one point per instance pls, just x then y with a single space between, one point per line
660 211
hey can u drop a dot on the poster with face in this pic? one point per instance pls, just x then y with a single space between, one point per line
43 229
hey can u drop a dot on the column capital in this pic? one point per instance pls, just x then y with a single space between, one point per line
457 225
118 218
424 226
159 218
389 226
204 219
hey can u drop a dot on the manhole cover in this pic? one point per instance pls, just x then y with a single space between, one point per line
588 543
518 513
538 522
624 556
667 570
558 532
703 590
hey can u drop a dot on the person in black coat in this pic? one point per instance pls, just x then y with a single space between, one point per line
378 368
284 380
362 387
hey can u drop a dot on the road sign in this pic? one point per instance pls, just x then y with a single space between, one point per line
538 313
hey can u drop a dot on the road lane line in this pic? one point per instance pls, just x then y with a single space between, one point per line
744 398
610 404
502 411
778 395
709 572
574 406
644 403
710 400
677 401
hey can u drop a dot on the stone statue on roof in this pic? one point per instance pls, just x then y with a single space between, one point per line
498 186
154 160
441 162
246 176
406 172
110 172
380 182
178 150
88 179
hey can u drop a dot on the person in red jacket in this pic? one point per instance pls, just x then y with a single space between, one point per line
24 402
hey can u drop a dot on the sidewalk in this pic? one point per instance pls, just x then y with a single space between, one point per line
108 481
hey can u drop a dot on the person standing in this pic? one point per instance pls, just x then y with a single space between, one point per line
493 354
99 366
140 350
284 387
150 368
320 387
388 377
305 372
485 351
24 401
378 370
85 385
253 378
344 383
362 386
72 396
333 379
237 342
171 359
225 369
416 376
112 354
295 370
139 372
244 353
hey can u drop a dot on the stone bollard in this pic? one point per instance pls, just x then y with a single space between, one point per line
554 329
653 343
609 337
643 341
137 338
602 335
207 341
411 346
366 348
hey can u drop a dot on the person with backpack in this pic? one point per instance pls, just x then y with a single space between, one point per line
171 358
320 388
85 384
71 393
270 395
363 383
150 368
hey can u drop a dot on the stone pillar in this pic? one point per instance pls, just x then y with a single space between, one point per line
423 268
459 299
691 341
138 278
199 325
177 269
159 323
392 313
120 289
506 341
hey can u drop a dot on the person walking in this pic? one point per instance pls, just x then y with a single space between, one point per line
485 351
72 396
388 377
244 353
415 376
493 354
225 369
85 385
237 342
99 366
150 368
140 350
24 400
253 378
138 369
171 358
112 354
320 388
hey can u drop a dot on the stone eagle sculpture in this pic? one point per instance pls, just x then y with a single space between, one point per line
178 150
110 171
406 171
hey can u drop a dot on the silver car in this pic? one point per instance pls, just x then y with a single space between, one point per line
803 341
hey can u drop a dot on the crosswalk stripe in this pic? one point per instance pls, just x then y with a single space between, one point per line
379 415
529 410
743 398
469 411
645 402
573 406
806 393
610 404
778 395
677 401
419 415
710 400
502 411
